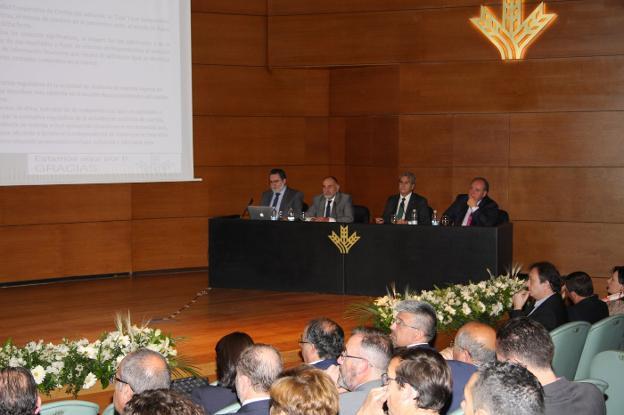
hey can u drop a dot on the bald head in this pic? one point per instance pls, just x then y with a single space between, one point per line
475 343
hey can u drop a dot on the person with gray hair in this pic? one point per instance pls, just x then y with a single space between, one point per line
18 392
502 388
363 361
475 343
321 343
257 368
139 371
403 204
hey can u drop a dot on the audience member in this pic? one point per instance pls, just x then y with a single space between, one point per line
161 402
304 391
615 288
362 363
228 350
414 326
331 205
586 306
257 368
526 342
503 388
18 392
405 202
418 382
139 371
475 208
321 343
544 286
474 343
280 196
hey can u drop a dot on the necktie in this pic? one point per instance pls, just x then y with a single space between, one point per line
328 209
469 221
275 200
401 209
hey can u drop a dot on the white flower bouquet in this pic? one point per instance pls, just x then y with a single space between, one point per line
455 305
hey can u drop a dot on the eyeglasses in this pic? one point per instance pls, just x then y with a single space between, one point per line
115 379
301 341
344 355
385 379
399 322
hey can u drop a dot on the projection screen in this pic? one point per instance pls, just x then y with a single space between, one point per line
95 91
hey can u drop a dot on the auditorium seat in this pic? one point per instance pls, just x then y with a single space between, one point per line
503 217
569 340
361 214
70 408
607 334
608 366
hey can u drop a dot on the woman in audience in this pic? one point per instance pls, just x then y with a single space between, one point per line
304 391
215 397
615 288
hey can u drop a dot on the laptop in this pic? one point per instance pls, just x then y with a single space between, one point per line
260 212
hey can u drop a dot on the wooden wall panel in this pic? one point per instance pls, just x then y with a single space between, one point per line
253 7
426 140
365 90
337 133
245 141
481 140
567 139
229 39
573 84
372 141
219 90
567 194
169 243
65 204
371 186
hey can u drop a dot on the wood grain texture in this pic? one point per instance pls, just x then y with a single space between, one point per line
364 91
582 139
426 140
567 194
252 7
371 186
372 141
219 90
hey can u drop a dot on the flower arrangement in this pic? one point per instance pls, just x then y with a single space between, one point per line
455 305
79 364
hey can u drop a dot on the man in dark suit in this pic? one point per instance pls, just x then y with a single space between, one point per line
331 206
586 306
257 368
280 196
544 286
403 204
475 208
321 343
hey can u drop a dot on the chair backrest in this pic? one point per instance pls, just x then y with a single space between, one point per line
361 214
109 410
609 367
607 334
70 408
503 217
569 341
230 409
458 411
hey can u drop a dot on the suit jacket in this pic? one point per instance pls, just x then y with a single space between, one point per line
350 402
341 210
213 398
256 408
591 310
291 199
325 364
416 202
486 215
551 313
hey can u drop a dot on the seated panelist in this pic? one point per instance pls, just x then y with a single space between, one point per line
280 196
331 205
475 208
405 202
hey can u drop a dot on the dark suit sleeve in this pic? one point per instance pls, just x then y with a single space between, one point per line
388 209
486 215
424 218
297 203
311 212
454 211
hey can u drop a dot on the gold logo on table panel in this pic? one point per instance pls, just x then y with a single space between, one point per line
513 36
345 242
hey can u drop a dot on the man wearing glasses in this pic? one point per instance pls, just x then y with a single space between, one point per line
321 343
139 371
362 363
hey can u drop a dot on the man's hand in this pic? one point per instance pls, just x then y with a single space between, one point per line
379 221
319 219
373 405
472 202
519 299
447 353
401 222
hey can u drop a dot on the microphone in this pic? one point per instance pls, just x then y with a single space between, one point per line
246 210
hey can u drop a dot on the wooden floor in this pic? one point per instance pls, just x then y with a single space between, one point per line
87 308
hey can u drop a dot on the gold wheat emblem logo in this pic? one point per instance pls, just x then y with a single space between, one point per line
513 36
345 242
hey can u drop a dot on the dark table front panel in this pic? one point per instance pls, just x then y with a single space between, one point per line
295 256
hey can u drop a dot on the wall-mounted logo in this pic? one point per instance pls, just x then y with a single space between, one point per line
513 36
345 242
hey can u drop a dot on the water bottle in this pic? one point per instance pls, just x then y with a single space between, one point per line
291 215
273 214
434 218
413 219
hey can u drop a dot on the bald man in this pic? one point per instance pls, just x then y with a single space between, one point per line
475 343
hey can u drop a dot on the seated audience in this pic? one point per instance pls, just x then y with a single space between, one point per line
586 306
503 388
228 350
257 368
544 286
364 360
475 343
615 288
161 402
405 202
280 196
526 342
414 326
18 392
418 382
321 343
139 371
331 205
475 208
304 391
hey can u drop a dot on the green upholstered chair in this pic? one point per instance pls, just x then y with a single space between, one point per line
609 367
600 384
230 409
458 411
569 341
70 408
607 334
109 410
